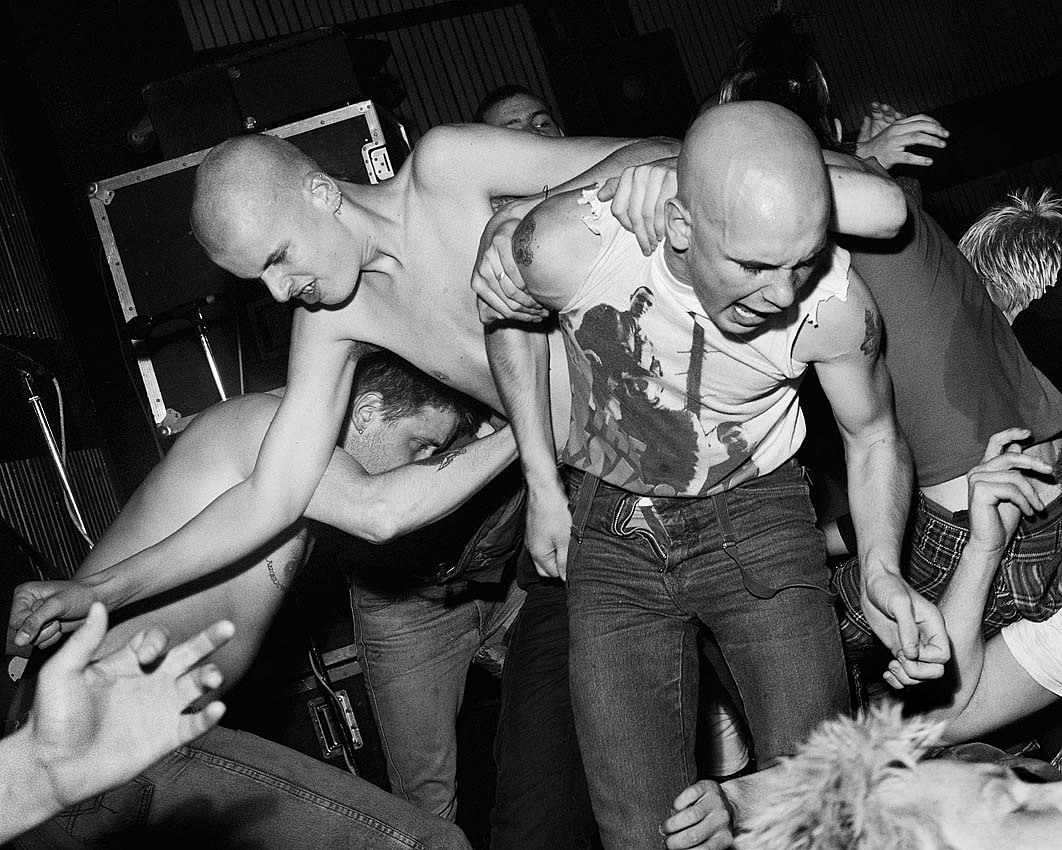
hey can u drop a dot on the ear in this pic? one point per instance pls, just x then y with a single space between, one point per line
324 190
678 224
365 409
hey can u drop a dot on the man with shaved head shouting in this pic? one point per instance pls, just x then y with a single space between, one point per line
687 509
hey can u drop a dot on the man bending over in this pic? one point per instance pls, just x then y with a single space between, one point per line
285 799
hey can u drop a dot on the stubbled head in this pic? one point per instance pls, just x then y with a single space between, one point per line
261 208
865 785
399 415
749 221
1016 248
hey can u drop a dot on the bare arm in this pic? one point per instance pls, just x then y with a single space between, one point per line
295 452
506 163
550 250
865 203
381 507
845 348
992 688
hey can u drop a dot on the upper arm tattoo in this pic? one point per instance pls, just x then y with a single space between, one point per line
525 231
871 343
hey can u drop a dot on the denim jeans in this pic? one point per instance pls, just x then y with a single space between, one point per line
542 802
233 789
645 575
415 648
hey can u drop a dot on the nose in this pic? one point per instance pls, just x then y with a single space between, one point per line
782 290
277 285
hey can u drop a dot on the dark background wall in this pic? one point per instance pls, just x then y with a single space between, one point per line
73 74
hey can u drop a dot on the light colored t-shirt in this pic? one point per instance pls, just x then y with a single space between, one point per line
663 402
1037 647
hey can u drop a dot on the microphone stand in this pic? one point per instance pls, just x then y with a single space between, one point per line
53 451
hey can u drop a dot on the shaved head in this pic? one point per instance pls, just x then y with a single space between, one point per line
749 220
240 181
752 158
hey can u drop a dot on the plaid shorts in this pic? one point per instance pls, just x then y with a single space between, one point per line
1026 586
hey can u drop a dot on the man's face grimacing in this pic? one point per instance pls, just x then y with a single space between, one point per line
385 444
749 263
295 245
523 112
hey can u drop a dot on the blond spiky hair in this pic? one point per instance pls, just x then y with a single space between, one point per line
1016 248
830 795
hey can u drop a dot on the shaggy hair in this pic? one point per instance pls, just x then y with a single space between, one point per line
834 794
1016 248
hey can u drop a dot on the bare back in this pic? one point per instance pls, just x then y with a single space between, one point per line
216 452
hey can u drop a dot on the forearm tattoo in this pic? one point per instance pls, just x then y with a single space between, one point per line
871 344
446 459
522 236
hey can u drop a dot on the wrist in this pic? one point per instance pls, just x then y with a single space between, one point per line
106 587
30 797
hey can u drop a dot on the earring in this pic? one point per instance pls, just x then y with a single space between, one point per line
339 205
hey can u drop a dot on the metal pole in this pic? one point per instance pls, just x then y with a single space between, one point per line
53 451
204 341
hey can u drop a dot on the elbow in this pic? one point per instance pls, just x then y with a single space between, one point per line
382 523
895 211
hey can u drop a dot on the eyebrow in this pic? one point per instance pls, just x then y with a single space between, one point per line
758 264
275 256
530 116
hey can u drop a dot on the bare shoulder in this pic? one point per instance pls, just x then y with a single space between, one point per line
554 246
846 327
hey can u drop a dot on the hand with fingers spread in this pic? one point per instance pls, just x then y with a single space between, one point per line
639 197
701 819
887 133
97 724
43 611
500 290
549 529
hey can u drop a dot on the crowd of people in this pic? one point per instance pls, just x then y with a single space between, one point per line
639 316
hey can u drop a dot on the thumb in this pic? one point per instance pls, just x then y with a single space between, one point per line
78 650
608 190
906 628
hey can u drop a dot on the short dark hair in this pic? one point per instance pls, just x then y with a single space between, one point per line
496 96
406 391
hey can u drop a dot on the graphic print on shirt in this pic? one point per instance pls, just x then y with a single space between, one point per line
636 403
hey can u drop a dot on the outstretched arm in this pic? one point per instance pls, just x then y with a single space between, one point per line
96 724
845 348
992 687
381 507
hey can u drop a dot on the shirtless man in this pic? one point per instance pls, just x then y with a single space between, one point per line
386 264
671 532
371 489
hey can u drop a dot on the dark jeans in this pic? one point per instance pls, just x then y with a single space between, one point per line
542 801
643 581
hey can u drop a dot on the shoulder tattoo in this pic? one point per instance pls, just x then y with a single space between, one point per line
522 236
871 344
